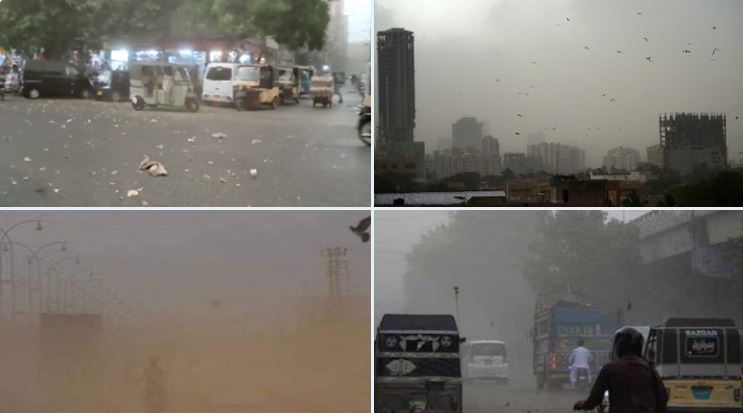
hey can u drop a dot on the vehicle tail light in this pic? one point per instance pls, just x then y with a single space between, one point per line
553 362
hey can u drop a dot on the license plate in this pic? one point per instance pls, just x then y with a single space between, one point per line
99 93
701 392
217 98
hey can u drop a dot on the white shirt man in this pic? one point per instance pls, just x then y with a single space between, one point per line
580 358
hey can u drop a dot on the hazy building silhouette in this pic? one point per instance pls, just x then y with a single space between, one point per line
515 162
556 158
466 133
396 77
655 155
490 163
693 140
397 153
621 158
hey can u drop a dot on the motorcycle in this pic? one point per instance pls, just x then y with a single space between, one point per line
582 383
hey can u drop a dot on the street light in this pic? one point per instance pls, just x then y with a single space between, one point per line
7 243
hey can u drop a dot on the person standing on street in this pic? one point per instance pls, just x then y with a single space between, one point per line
155 391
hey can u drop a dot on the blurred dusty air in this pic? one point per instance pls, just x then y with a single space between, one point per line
307 362
304 352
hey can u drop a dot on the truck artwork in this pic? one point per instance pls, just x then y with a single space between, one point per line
558 325
417 364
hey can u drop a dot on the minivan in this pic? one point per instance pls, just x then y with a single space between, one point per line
219 82
485 360
54 78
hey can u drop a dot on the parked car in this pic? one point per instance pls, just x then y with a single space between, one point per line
54 78
112 85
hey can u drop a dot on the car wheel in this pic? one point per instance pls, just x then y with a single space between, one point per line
365 131
192 105
33 93
138 104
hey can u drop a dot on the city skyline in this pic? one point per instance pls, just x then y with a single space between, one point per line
597 60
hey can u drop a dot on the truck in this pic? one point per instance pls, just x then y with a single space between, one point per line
417 364
558 326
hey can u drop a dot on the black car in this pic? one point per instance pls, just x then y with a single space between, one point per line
55 78
112 85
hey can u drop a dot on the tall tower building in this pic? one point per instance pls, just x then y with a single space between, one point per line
466 133
396 85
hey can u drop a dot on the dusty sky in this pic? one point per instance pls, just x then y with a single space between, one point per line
359 20
474 58
175 263
397 232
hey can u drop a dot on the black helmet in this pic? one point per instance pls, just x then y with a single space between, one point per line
628 342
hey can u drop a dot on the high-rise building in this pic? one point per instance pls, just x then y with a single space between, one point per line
556 158
515 162
621 158
466 133
691 140
396 85
655 155
490 163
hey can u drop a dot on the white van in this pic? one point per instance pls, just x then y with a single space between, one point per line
219 80
485 360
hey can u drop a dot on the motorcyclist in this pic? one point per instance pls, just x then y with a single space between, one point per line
633 384
580 359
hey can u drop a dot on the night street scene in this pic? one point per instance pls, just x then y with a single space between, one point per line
565 103
179 103
184 312
547 312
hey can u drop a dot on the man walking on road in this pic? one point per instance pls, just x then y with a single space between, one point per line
633 384
155 392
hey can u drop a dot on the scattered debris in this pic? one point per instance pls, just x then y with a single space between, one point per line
219 135
254 173
27 159
153 167
256 141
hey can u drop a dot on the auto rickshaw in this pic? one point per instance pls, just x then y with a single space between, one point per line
304 77
256 86
288 85
699 360
322 91
161 84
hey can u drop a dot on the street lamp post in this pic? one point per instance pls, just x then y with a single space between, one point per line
7 246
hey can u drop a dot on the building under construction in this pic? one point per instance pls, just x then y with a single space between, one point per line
692 140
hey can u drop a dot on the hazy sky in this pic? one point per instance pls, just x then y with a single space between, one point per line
177 262
359 20
475 57
397 232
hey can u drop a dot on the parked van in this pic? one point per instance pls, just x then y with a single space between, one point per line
219 83
54 78
485 360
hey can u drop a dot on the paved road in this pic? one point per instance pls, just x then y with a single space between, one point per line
494 398
66 152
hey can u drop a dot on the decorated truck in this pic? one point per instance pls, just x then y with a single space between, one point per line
417 364
559 324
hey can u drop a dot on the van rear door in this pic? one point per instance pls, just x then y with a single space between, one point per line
218 84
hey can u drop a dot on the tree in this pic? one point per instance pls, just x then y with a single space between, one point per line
63 25
584 252
293 23
721 189
508 174
633 200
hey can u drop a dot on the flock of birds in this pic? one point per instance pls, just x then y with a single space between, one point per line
650 59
